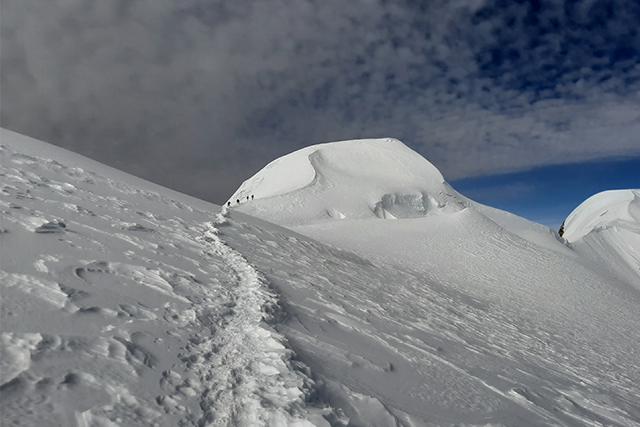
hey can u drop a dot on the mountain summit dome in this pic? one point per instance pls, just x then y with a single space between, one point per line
348 179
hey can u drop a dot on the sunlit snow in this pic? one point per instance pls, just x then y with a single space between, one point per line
345 284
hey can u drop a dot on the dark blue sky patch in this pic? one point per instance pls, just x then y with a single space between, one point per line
552 46
547 195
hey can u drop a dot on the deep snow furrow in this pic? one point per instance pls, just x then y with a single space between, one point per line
250 380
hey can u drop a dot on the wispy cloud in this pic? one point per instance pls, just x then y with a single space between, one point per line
212 90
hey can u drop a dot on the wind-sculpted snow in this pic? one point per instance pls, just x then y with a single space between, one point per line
121 304
604 210
125 303
379 178
512 338
449 313
606 229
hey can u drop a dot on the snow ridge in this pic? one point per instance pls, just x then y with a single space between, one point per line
255 383
356 179
606 227
602 211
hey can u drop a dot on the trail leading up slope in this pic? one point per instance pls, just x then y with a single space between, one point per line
122 304
125 303
255 383
451 312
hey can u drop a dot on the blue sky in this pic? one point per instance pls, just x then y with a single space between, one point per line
547 195
198 95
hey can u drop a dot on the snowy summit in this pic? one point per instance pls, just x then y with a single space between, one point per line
349 179
615 208
607 226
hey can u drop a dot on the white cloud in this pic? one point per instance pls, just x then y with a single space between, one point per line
212 90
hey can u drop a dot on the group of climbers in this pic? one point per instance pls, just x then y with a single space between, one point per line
238 200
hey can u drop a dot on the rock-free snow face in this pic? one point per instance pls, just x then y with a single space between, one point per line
606 228
123 305
338 185
561 303
365 178
614 208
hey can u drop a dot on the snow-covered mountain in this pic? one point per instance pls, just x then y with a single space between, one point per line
402 212
357 179
606 227
390 300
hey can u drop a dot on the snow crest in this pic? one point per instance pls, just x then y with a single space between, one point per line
604 210
369 178
606 227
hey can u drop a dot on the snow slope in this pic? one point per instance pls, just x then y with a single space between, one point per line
122 305
125 303
361 179
566 310
606 228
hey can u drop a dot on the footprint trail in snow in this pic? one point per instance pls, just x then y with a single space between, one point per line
124 303
121 304
255 383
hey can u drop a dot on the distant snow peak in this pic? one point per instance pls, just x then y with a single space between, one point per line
606 226
357 179
602 211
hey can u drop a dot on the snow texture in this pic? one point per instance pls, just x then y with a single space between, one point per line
500 320
345 180
122 304
606 226
394 301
